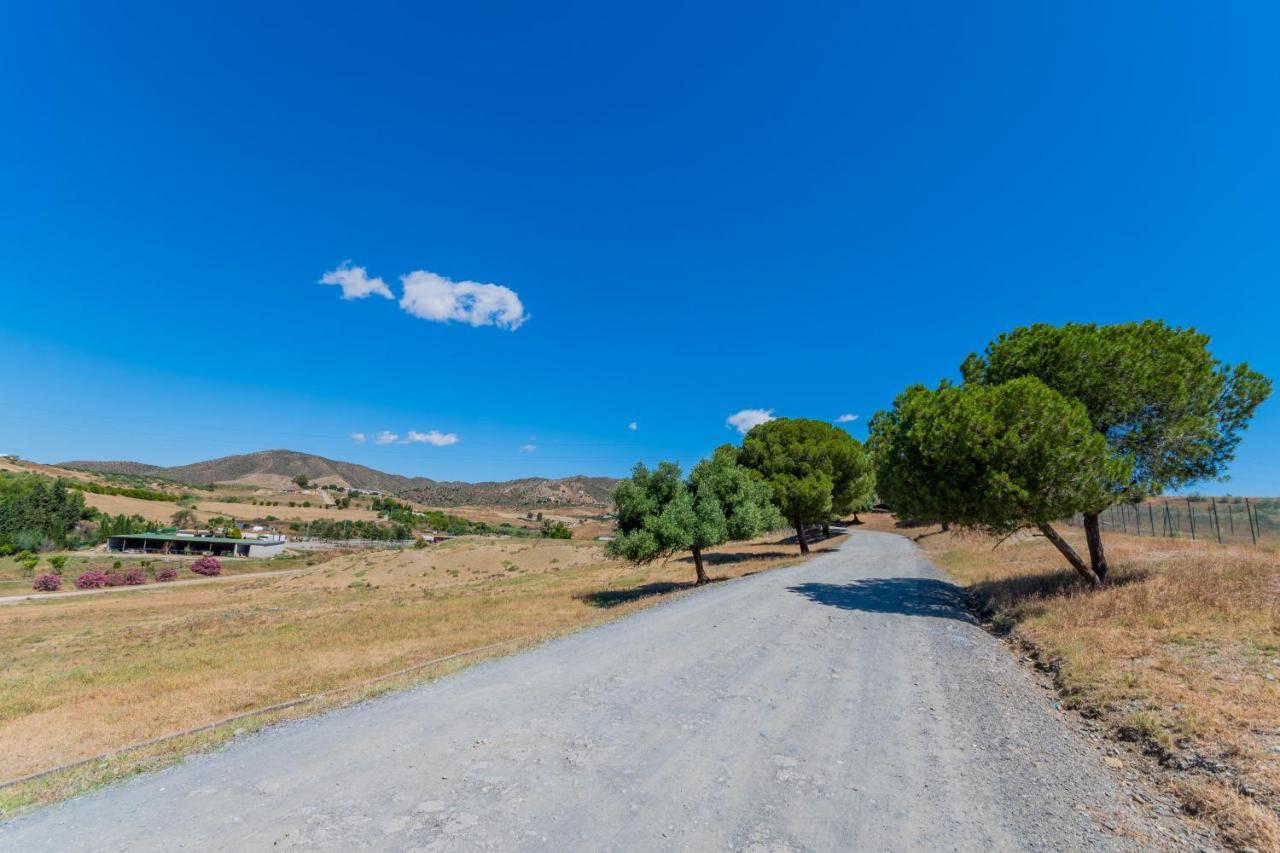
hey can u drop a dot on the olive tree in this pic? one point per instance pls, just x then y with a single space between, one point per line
814 469
1156 395
660 513
994 458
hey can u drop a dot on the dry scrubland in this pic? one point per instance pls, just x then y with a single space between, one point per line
1180 656
83 676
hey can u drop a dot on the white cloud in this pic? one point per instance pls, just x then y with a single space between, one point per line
846 419
633 426
744 420
436 437
355 282
528 448
441 300
387 437
359 437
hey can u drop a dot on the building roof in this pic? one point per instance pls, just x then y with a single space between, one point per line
215 540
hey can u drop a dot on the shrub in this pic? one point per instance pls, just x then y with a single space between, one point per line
29 565
115 579
91 580
135 577
168 573
117 564
207 566
6 549
47 583
58 563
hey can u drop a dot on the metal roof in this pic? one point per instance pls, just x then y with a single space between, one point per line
215 540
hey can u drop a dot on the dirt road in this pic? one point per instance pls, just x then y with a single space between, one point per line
847 704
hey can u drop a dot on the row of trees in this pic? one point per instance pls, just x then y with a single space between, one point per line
1047 423
1054 421
788 471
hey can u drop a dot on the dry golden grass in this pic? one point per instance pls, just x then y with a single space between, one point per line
1181 654
82 676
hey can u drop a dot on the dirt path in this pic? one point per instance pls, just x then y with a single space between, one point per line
847 704
150 587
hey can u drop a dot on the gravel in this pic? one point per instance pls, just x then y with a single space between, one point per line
847 704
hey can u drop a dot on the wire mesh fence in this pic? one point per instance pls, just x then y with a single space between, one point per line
1225 520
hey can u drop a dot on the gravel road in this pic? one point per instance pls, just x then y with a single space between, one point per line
846 704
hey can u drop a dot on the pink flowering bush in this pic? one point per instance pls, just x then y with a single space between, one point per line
135 577
47 583
91 580
168 573
207 566
115 579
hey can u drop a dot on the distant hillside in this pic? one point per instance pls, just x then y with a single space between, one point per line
277 468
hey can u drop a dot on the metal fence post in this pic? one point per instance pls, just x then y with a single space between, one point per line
1253 533
1191 516
1217 527
1151 518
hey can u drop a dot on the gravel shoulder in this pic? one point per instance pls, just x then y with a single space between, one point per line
850 703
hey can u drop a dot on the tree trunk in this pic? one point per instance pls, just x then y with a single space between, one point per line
804 543
826 531
1070 553
697 565
1097 556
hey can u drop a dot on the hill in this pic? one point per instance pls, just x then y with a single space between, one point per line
277 468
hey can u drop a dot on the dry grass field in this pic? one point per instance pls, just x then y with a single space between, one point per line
82 676
1180 656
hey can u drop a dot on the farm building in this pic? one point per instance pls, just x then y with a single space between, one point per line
176 543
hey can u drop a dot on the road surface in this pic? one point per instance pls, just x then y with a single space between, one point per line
846 704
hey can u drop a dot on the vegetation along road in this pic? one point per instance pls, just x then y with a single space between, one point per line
846 704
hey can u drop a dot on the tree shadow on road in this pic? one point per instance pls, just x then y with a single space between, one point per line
907 596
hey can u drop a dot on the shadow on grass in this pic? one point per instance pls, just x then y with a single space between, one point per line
613 597
720 559
607 598
905 596
1011 599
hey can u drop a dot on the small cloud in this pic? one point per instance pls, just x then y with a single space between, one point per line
435 437
846 419
442 300
359 437
386 437
528 448
633 426
744 420
355 282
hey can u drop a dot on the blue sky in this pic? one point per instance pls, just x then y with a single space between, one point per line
698 210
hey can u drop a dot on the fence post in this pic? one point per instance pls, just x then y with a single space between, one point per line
1191 516
1253 534
1231 521
1151 518
1217 527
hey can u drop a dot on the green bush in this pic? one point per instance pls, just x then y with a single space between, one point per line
57 563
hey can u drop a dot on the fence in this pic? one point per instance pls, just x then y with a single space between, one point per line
1224 520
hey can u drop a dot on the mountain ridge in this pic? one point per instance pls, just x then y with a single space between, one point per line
277 468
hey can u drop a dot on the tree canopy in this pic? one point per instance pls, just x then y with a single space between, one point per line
35 511
996 458
660 513
1157 396
815 470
